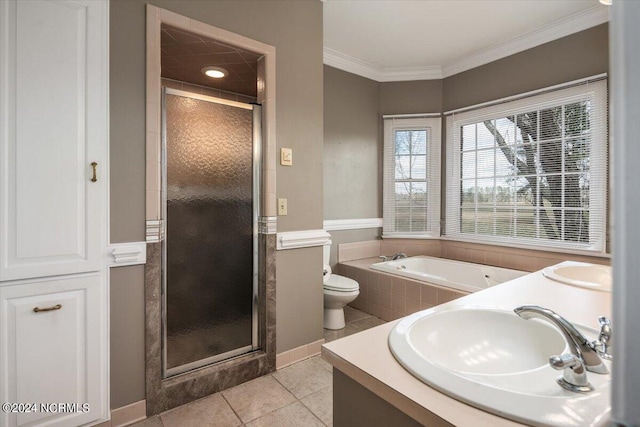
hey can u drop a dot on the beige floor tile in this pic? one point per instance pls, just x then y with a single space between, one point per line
351 314
258 397
324 364
367 323
211 411
331 335
149 422
304 378
321 404
294 415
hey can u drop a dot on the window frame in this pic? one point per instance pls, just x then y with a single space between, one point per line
596 92
432 123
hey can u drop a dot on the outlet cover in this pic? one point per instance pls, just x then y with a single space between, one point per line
282 207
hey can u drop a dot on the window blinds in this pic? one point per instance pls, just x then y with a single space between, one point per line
531 171
411 177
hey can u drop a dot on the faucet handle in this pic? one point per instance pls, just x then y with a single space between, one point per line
574 377
384 258
603 343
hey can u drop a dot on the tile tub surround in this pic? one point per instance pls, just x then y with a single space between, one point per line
498 256
298 395
163 394
391 297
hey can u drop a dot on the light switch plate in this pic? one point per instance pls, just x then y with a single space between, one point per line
282 207
286 157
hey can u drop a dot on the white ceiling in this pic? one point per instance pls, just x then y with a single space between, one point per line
390 40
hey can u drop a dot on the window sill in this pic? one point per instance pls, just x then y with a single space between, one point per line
410 236
540 248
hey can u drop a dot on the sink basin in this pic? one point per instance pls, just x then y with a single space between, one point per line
494 342
494 360
582 274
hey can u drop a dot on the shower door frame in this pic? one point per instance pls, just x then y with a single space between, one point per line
255 220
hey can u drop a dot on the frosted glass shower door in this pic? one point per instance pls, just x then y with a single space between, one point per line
211 186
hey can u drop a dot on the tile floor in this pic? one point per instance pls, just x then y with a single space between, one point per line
300 395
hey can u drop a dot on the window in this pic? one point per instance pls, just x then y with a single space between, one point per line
411 177
531 171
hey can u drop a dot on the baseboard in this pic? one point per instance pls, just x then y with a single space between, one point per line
129 414
297 354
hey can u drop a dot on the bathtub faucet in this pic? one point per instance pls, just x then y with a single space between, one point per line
398 256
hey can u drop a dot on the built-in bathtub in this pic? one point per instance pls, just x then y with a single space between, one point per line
390 292
463 276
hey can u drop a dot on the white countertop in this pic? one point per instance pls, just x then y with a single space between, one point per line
366 358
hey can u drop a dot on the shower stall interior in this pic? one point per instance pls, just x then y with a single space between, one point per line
211 187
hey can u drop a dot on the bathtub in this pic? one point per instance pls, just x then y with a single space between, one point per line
463 276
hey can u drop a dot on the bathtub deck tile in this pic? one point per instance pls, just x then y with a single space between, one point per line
428 295
413 290
398 286
385 314
374 296
412 305
385 283
446 296
373 280
398 303
425 306
385 299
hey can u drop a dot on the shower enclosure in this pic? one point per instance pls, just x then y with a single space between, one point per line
211 183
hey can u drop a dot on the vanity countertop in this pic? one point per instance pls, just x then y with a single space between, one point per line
366 358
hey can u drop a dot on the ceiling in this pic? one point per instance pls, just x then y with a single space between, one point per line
184 55
389 40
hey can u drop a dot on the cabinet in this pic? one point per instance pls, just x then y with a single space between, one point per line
53 276
51 346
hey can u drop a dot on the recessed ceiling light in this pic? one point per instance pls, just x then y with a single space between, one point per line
214 72
607 2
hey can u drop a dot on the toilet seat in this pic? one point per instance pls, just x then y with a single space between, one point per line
338 283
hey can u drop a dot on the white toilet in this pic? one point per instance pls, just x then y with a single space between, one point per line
338 292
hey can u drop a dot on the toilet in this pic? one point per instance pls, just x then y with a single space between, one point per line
338 291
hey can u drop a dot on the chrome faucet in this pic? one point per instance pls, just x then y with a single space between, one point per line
583 349
585 355
398 256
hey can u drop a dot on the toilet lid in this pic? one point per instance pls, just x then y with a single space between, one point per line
340 284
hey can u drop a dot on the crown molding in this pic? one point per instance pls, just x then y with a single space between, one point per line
344 62
561 28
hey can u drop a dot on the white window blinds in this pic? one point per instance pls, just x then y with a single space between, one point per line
411 176
531 171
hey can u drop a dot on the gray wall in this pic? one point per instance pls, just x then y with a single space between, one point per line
127 349
419 96
299 112
352 177
353 143
578 55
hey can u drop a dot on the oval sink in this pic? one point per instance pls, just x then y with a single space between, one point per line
494 360
582 274
484 341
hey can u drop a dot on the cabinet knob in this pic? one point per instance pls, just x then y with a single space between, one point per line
94 165
40 310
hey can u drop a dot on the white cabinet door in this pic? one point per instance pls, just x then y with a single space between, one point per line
51 351
53 100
